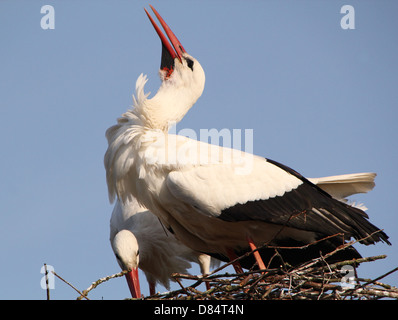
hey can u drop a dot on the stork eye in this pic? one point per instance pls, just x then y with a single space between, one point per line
189 63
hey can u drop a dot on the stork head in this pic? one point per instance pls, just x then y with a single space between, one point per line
125 247
183 81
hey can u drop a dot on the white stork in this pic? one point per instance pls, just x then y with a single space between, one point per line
216 200
139 240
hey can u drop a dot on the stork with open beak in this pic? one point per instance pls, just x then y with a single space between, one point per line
217 200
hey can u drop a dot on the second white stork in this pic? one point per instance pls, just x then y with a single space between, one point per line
216 200
138 240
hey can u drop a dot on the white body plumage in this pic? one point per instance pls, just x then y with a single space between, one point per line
138 239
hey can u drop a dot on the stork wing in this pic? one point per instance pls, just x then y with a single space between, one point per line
218 186
271 193
343 186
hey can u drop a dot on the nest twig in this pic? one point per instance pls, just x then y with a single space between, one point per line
314 280
307 282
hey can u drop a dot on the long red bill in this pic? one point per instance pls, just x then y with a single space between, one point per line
178 48
133 283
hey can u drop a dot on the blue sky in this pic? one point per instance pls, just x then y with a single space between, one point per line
319 99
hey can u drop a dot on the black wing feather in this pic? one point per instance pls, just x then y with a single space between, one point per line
308 208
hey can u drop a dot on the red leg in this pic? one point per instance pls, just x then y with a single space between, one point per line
232 256
152 288
257 255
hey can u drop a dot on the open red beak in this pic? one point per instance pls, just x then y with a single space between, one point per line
172 53
134 283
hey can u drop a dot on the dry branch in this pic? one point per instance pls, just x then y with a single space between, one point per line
313 280
95 284
304 283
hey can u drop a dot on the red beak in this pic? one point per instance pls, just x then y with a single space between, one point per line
134 283
178 48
